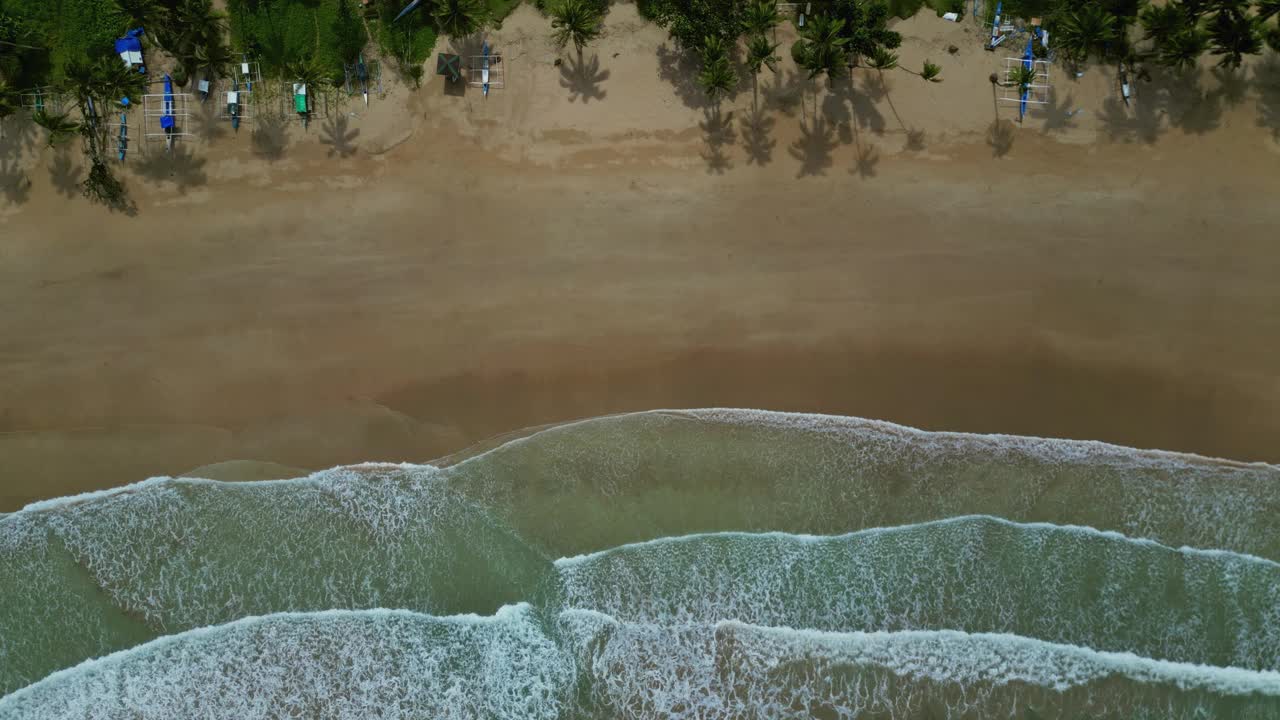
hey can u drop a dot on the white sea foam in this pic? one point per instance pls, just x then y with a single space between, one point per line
958 520
735 670
331 665
1057 449
977 574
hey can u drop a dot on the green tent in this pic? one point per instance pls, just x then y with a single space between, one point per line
449 65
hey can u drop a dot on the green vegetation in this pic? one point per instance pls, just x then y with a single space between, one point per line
907 8
408 42
56 32
717 77
690 22
459 18
1174 34
285 32
577 22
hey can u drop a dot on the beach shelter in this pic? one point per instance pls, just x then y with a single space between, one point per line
450 66
129 48
300 98
233 107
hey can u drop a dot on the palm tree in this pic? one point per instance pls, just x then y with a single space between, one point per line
1183 49
1162 22
112 80
1088 28
759 17
191 24
713 50
459 18
59 125
760 54
882 59
308 72
821 47
215 59
1234 35
1267 9
575 21
145 14
717 76
930 72
1023 77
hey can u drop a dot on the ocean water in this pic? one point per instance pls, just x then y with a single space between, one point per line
694 564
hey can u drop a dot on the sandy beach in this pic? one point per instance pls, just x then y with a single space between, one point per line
398 283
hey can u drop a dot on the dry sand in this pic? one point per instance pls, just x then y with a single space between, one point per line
397 283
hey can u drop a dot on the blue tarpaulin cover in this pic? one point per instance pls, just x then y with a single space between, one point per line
126 44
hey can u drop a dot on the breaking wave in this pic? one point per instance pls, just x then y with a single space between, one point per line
715 563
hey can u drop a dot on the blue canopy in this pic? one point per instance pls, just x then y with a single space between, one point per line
127 44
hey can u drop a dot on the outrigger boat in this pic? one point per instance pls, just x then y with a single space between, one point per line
122 140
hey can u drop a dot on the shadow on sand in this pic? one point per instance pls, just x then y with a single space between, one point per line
717 133
757 136
65 173
680 68
814 146
270 136
336 133
583 78
181 166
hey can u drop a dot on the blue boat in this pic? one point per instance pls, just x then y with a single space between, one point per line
167 119
122 141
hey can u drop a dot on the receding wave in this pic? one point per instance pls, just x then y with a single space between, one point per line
978 574
609 481
335 664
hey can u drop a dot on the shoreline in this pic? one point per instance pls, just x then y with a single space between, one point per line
540 257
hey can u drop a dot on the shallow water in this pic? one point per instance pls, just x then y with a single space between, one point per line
693 564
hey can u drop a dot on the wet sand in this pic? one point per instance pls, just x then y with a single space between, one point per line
412 296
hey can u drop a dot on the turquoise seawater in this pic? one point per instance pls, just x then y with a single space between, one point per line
694 564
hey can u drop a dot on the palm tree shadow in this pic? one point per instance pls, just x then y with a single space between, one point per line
915 140
865 161
1000 137
680 68
1266 76
14 183
1057 115
207 123
17 135
1127 123
866 157
64 174
786 93
335 133
582 79
181 167
813 147
915 137
718 133
1233 85
269 136
757 139
864 103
